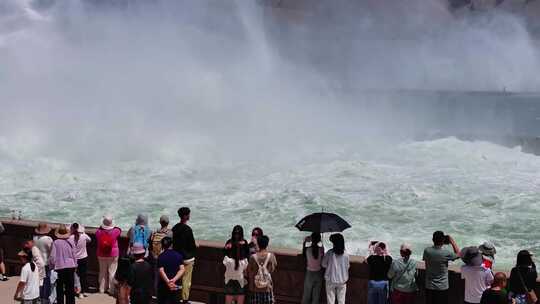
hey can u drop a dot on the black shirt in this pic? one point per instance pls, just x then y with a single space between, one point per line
378 267
494 297
183 241
529 277
141 277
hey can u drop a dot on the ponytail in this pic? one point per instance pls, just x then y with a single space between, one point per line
75 232
30 259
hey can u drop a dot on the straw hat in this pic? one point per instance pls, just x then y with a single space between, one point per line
62 232
42 228
22 253
107 222
138 248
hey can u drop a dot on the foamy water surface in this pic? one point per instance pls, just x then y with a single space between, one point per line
474 190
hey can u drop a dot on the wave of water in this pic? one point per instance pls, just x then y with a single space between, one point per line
476 191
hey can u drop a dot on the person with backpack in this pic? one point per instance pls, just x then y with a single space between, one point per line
107 253
522 280
63 261
313 281
379 262
81 239
403 274
184 243
235 262
171 268
336 264
140 233
158 235
260 268
27 291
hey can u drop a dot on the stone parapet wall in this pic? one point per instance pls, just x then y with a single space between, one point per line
208 273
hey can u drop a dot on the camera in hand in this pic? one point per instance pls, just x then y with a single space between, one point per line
446 239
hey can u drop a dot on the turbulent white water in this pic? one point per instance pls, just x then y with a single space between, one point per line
474 191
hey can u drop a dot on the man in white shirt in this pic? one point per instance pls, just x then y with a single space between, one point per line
477 277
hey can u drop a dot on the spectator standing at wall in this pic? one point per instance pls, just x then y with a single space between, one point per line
403 274
44 242
184 243
236 263
158 235
3 276
107 253
37 259
522 278
63 261
314 277
497 293
81 239
336 264
255 234
488 252
141 279
436 258
140 232
477 277
379 264
260 268
27 291
171 268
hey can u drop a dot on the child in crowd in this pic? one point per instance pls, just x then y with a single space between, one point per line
336 263
236 263
121 278
27 291
260 268
141 278
314 278
497 293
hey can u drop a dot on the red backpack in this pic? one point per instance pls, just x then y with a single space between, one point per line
106 242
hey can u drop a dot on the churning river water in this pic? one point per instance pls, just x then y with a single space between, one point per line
476 191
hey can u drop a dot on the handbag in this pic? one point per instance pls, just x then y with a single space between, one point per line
531 295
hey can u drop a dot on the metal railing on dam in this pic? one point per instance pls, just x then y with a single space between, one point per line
208 282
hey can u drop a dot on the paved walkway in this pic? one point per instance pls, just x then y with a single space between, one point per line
7 289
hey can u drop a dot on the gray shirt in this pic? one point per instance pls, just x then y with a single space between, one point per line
437 259
337 267
403 275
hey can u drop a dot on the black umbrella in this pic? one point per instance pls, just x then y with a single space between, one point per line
322 222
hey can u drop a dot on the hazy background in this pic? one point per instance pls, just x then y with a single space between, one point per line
259 112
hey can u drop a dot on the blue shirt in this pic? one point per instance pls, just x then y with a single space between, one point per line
170 260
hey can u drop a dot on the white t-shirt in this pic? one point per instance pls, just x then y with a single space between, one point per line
31 278
337 267
477 280
235 274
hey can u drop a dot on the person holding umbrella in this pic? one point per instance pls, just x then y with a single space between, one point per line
314 277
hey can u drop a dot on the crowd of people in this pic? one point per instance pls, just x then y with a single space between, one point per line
160 264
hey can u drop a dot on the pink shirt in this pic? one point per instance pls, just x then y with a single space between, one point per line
115 234
312 263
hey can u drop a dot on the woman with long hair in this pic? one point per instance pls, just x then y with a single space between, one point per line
81 239
255 234
522 278
336 263
313 281
236 262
